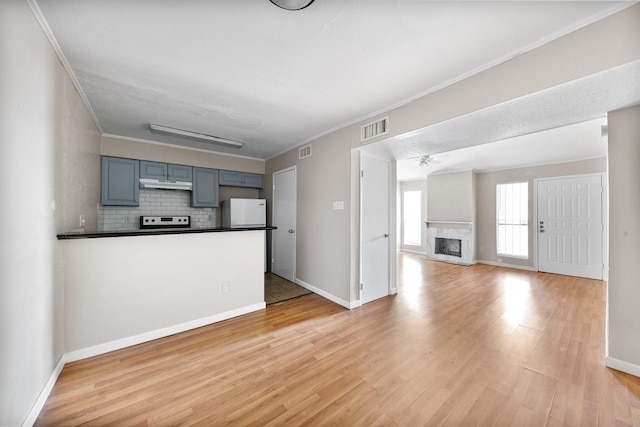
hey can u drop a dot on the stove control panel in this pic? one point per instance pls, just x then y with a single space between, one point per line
165 221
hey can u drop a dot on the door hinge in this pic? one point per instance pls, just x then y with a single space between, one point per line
274 187
361 286
361 174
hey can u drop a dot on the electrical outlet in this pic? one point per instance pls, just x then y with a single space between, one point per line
225 288
82 220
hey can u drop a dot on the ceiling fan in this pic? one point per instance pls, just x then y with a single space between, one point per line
429 159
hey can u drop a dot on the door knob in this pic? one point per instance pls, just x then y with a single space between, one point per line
386 234
291 231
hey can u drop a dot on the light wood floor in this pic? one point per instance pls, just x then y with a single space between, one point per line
457 346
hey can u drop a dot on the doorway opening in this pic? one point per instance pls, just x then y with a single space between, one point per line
277 289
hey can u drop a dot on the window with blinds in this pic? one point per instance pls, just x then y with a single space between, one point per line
512 214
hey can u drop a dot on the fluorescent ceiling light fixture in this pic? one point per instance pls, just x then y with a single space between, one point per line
195 135
292 4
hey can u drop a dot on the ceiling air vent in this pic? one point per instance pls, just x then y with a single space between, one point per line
304 151
374 129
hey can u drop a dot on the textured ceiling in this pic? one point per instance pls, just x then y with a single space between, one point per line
568 143
250 71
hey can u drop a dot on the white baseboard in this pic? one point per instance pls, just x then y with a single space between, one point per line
393 291
159 333
327 295
621 365
44 394
428 258
412 251
502 264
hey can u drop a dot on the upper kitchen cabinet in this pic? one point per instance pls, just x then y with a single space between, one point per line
205 188
231 178
251 180
180 173
240 179
157 170
153 170
120 182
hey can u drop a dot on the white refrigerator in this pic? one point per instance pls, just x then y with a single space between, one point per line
244 213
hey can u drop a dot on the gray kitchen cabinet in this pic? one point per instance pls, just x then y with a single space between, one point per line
180 173
251 180
120 182
240 179
158 170
153 170
205 188
230 178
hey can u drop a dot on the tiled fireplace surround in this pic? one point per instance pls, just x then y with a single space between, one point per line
451 230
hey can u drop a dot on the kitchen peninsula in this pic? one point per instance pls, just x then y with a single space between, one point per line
128 287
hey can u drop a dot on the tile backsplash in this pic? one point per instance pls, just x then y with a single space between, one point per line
154 202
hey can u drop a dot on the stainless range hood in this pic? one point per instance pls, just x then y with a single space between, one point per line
165 184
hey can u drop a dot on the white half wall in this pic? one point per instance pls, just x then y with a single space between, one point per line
122 287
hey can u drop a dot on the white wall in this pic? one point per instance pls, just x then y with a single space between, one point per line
624 240
48 144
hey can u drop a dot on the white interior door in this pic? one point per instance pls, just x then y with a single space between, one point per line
570 226
374 220
283 258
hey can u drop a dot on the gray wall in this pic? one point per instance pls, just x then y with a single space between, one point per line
451 197
486 202
49 151
322 234
624 238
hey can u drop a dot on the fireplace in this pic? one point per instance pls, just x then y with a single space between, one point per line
450 241
446 246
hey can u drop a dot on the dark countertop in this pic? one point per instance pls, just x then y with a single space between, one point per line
151 232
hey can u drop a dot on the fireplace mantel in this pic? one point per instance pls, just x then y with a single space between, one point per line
443 223
449 224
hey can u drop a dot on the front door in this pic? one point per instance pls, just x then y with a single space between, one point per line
283 259
570 226
374 213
